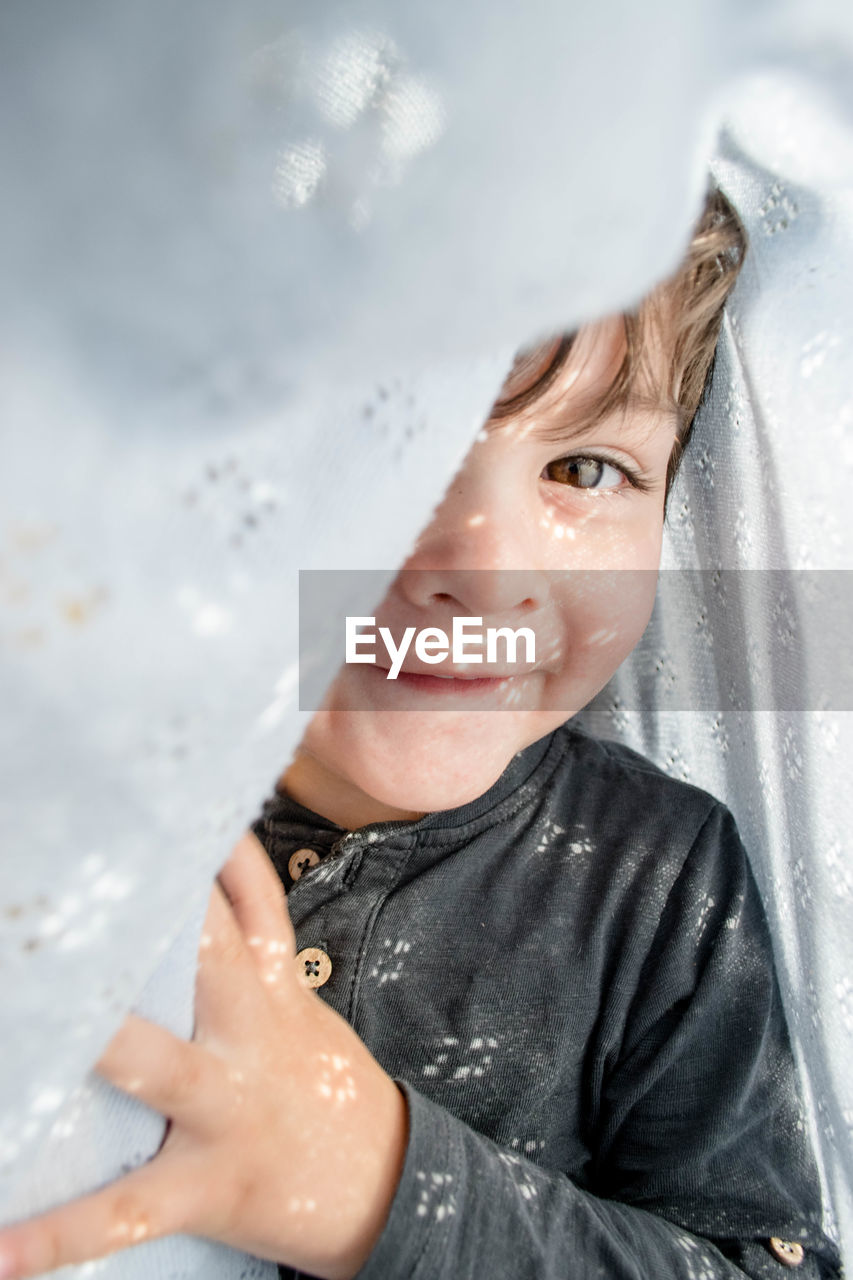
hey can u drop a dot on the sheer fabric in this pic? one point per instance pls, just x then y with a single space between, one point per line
264 273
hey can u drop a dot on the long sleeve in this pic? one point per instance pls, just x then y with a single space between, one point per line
702 1169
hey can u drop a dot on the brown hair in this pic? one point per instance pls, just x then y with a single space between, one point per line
692 299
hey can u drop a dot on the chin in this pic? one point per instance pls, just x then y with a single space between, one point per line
419 794
423 763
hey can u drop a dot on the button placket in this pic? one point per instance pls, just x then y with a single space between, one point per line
314 965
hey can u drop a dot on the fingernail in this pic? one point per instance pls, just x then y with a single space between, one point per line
7 1267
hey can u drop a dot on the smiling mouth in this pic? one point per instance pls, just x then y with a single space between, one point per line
446 684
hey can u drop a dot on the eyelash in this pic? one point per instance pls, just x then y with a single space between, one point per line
635 478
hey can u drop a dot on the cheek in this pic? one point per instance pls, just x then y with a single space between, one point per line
603 534
602 615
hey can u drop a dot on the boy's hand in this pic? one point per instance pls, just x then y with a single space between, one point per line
286 1139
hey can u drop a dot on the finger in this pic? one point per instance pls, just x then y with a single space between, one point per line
144 1205
259 904
227 983
180 1079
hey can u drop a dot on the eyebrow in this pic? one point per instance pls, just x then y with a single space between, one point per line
564 424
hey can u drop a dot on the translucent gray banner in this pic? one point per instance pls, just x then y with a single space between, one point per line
682 640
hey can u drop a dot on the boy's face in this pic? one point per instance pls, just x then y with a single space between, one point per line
556 519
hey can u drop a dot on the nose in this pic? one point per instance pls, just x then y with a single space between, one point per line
476 555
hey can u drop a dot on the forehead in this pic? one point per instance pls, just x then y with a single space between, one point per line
591 387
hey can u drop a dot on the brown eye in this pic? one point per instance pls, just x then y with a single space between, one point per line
584 473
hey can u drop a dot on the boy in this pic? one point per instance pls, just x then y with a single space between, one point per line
556 953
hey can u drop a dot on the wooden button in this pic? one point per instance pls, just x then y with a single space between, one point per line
314 966
788 1252
301 861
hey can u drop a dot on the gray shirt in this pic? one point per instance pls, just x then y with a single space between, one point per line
571 980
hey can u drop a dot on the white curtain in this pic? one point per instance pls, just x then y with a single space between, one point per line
264 269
